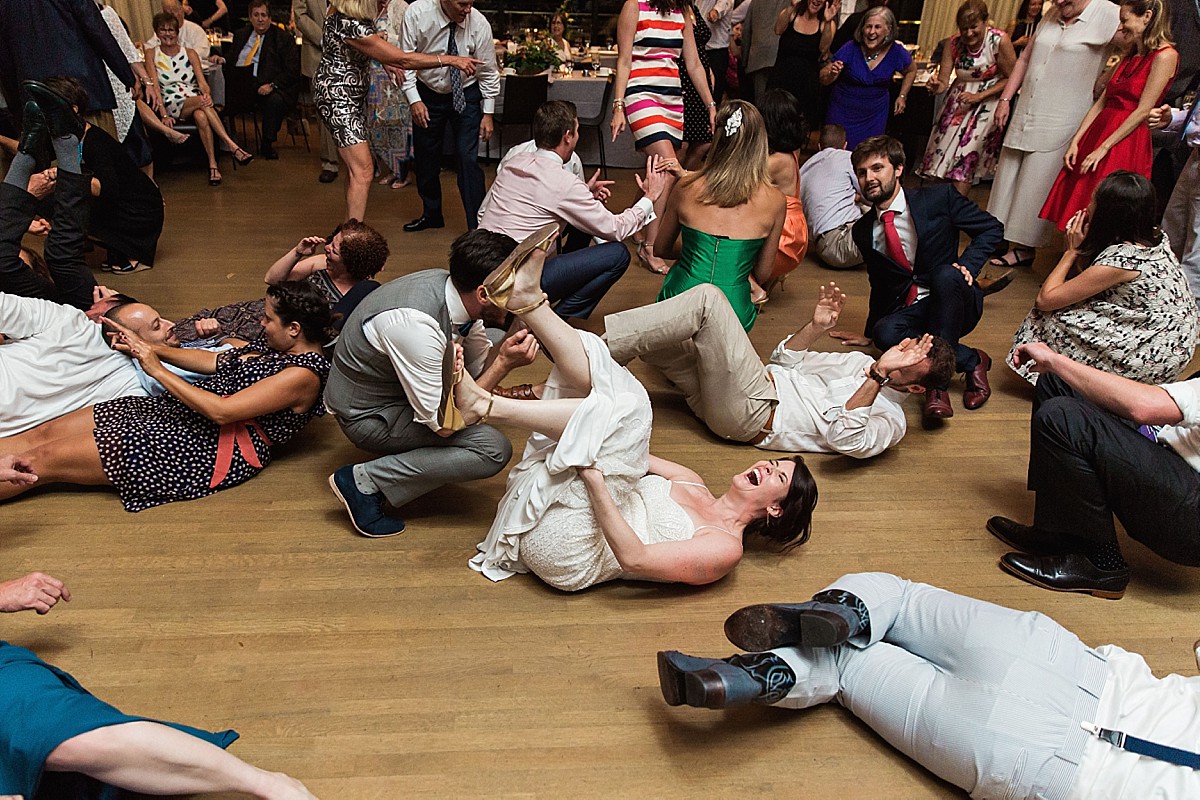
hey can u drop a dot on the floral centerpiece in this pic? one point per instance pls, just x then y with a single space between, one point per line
536 54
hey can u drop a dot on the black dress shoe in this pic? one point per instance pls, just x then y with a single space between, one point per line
1069 573
33 131
61 117
1029 539
268 152
771 625
327 176
422 223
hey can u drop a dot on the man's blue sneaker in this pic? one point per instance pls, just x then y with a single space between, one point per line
366 510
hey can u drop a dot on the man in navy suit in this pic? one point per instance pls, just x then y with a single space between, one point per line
274 60
919 283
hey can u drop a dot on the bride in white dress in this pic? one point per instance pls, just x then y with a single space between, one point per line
588 503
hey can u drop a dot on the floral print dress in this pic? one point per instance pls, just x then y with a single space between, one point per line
965 143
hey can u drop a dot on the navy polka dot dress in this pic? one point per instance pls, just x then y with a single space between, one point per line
156 450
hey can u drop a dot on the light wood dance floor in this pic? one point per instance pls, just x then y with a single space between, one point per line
386 669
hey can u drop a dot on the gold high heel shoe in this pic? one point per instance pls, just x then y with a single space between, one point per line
498 285
449 416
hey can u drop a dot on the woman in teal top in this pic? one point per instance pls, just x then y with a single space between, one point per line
728 215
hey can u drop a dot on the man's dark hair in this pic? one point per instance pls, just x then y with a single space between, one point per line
364 250
942 365
71 89
833 136
781 113
886 146
552 121
475 254
256 3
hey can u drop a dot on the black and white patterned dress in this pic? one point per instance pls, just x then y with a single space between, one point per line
695 110
343 78
156 450
1144 329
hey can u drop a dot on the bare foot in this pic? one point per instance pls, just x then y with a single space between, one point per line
473 402
178 137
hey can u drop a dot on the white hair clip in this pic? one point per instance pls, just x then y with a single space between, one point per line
734 122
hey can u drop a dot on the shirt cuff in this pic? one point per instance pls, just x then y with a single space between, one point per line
412 96
647 207
488 105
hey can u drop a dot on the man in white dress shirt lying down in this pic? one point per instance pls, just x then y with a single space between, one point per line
55 359
803 400
1001 703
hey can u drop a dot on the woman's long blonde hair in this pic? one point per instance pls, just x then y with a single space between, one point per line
365 10
737 161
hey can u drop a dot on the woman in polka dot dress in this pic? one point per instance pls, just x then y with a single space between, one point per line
199 439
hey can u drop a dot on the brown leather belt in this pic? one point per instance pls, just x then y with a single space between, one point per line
766 428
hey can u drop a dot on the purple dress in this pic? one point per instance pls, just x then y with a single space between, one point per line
860 98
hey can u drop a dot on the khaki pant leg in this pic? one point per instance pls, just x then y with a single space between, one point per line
836 248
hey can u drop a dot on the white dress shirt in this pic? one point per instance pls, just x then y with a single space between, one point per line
248 49
907 230
1179 116
1184 436
811 417
724 24
413 342
1162 710
55 361
533 189
827 189
426 31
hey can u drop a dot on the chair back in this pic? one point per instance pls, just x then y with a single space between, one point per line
523 96
598 120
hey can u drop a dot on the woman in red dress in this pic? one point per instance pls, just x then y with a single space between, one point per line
1114 135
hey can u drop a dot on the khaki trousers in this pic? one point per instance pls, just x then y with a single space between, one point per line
836 248
697 341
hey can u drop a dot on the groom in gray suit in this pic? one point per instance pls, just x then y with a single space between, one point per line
386 384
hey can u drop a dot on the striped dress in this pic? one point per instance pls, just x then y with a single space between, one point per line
653 95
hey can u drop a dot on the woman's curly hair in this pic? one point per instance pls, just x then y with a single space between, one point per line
364 250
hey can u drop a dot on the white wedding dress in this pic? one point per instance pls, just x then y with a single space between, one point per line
544 523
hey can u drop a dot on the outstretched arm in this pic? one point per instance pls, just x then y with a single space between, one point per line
830 302
704 558
1140 402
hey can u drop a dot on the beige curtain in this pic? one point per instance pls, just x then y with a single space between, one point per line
137 15
937 20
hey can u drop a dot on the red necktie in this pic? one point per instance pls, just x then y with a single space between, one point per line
895 251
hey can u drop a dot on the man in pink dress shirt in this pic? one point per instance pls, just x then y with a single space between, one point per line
534 188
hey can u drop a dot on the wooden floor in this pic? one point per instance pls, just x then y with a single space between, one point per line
382 669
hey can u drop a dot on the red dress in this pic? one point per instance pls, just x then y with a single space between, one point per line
1073 190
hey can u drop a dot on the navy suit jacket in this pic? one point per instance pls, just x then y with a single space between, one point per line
40 39
939 214
278 63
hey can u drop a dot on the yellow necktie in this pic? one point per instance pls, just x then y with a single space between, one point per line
250 58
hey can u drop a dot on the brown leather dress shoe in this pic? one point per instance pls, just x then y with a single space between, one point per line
1027 538
937 404
522 391
1069 573
978 389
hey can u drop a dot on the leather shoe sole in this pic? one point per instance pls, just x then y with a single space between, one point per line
696 686
1069 573
421 224
770 625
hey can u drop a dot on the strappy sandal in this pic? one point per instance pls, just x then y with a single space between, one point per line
647 259
498 285
449 417
1015 261
214 176
241 162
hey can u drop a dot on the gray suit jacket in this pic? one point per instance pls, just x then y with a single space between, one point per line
310 19
760 44
362 380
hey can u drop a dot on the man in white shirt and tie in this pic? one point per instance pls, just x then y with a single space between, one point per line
535 188
445 96
1181 221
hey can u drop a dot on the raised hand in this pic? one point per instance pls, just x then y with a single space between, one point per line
655 182
133 345
35 592
1036 355
908 353
309 245
599 188
830 302
1077 228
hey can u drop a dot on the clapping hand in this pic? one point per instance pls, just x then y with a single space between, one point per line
16 470
34 592
1077 228
830 302
908 353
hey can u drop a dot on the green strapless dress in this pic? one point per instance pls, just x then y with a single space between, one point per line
725 263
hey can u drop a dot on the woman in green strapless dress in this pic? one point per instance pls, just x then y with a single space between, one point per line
725 263
723 221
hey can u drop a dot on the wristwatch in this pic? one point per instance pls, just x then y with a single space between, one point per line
874 375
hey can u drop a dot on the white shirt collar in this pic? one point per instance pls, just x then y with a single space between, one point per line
454 304
899 205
